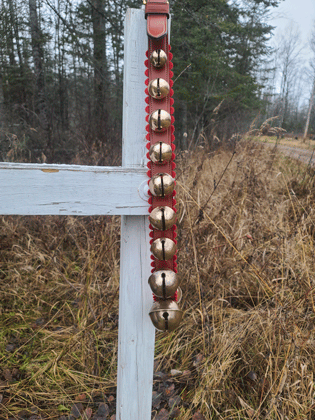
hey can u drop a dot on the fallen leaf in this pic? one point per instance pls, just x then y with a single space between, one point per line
174 401
7 375
111 399
162 415
87 414
81 397
198 359
156 365
76 410
175 413
169 391
103 410
160 375
156 399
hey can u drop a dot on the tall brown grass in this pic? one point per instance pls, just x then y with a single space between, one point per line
246 345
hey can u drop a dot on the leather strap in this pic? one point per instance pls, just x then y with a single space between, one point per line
156 13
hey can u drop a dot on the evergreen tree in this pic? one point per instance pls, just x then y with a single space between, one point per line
223 43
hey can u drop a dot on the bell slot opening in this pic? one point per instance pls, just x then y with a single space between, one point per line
162 186
165 316
160 159
163 248
163 222
163 285
158 87
159 57
159 120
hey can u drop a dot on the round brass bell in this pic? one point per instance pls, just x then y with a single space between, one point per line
160 120
158 58
159 88
162 218
160 152
166 315
163 249
161 185
164 283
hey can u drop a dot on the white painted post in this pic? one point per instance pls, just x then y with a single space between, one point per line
136 332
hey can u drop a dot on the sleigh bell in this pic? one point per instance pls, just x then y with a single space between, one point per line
163 249
161 185
159 88
158 58
164 283
160 120
162 218
160 152
166 315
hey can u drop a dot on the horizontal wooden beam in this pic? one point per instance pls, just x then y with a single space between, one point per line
40 189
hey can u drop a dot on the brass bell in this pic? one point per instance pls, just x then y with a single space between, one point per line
160 152
162 218
160 120
161 185
166 315
158 58
163 249
159 88
164 283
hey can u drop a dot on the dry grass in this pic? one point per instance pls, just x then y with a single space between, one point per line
247 340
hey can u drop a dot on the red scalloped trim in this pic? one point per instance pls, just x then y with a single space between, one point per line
153 232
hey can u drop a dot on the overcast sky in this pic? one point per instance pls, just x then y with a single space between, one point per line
302 12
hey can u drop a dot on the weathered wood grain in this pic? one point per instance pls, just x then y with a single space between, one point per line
136 332
36 189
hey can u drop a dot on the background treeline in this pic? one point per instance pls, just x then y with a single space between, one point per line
61 66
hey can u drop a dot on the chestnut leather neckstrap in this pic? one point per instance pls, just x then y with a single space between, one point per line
156 13
160 74
165 313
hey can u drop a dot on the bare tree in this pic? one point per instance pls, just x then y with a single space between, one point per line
311 102
289 60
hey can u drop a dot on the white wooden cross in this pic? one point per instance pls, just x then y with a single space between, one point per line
39 189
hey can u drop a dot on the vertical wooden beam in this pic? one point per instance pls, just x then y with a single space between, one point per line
136 332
